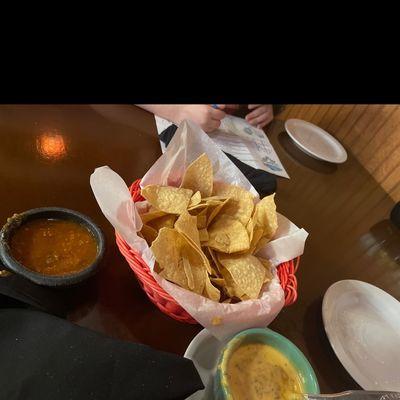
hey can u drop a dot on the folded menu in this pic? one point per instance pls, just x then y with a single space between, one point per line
45 357
242 140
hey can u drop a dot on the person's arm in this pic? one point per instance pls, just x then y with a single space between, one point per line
207 117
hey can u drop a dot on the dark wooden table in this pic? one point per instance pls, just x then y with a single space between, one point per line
47 154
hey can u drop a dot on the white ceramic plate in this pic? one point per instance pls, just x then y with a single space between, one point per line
204 350
363 325
314 141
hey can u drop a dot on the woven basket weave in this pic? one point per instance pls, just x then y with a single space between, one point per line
286 272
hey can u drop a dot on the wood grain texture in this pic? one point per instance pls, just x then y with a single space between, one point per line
370 131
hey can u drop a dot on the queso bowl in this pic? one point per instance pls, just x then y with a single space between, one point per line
273 339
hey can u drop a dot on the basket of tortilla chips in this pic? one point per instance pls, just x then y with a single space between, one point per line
205 236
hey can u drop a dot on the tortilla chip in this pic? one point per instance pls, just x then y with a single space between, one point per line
241 202
231 289
149 216
170 250
197 208
211 291
218 281
257 236
199 176
167 248
169 199
188 272
215 198
265 216
149 234
214 268
228 235
215 211
186 224
202 220
250 229
198 269
247 273
175 274
157 267
203 235
268 269
196 199
166 221
214 257
213 203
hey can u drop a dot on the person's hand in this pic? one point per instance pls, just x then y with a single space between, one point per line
207 117
261 115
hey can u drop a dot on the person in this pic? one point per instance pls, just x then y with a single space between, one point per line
208 116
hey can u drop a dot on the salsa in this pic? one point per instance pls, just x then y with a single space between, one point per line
256 371
53 247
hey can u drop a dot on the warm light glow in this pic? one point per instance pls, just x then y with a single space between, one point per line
51 145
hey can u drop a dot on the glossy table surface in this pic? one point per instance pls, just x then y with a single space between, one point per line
48 152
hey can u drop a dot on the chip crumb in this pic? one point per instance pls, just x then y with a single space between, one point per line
216 321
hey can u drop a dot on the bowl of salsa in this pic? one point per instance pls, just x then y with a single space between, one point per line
260 364
51 246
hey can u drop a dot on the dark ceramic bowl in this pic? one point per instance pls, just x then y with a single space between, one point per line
11 264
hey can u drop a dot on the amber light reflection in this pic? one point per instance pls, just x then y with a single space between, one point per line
51 145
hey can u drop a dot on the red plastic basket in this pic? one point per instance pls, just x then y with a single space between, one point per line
286 273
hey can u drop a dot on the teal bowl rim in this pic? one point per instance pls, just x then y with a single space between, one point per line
311 377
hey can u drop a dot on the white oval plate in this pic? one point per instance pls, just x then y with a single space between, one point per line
363 326
314 141
204 350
